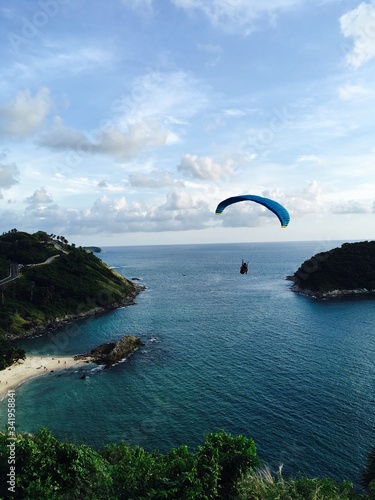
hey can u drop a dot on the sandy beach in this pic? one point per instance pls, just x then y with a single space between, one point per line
33 366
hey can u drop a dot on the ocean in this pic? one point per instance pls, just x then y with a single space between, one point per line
221 351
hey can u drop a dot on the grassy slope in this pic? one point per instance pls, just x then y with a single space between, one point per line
74 282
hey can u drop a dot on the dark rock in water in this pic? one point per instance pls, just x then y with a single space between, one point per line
83 377
112 352
136 279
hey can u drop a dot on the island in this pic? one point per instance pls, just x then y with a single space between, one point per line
345 271
46 282
93 249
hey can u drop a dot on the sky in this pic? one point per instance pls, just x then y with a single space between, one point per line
126 122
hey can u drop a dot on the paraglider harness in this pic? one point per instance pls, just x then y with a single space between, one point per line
244 267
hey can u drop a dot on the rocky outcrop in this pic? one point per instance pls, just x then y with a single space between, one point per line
332 294
112 352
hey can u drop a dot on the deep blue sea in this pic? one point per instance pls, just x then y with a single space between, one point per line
236 352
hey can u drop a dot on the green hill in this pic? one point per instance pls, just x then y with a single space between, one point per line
346 270
70 284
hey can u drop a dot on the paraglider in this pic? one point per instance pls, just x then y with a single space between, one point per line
244 267
275 207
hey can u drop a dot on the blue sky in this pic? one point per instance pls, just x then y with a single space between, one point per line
127 122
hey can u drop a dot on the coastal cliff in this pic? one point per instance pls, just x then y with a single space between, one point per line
346 271
46 282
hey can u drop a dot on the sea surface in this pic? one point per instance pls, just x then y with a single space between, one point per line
222 351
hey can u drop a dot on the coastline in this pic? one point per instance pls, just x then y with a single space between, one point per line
34 366
332 294
58 322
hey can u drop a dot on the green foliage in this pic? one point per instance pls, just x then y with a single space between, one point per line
49 469
25 248
368 475
261 484
76 281
9 353
223 468
350 267
222 460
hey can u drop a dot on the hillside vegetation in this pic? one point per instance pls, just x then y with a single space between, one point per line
350 267
223 467
73 283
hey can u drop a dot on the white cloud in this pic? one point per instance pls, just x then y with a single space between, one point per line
26 114
205 167
238 14
308 200
309 159
113 216
125 145
109 141
234 112
39 197
63 137
359 24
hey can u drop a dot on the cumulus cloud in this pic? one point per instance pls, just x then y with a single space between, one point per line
9 174
110 141
125 145
205 167
308 200
234 15
25 114
113 216
39 197
359 24
63 137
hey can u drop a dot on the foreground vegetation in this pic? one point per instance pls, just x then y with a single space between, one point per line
350 267
224 467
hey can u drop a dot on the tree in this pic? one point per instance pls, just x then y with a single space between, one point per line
368 475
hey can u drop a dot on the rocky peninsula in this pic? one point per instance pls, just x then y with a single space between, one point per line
346 271
45 282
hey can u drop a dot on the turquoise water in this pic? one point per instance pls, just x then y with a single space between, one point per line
239 352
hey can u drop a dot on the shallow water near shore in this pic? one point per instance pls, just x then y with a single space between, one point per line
222 350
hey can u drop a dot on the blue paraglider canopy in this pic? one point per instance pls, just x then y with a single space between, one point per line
275 207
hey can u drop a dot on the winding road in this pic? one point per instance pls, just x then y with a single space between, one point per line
14 271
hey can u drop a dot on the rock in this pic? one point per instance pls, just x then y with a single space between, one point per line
112 352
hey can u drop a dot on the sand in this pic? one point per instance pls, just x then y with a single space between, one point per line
33 366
